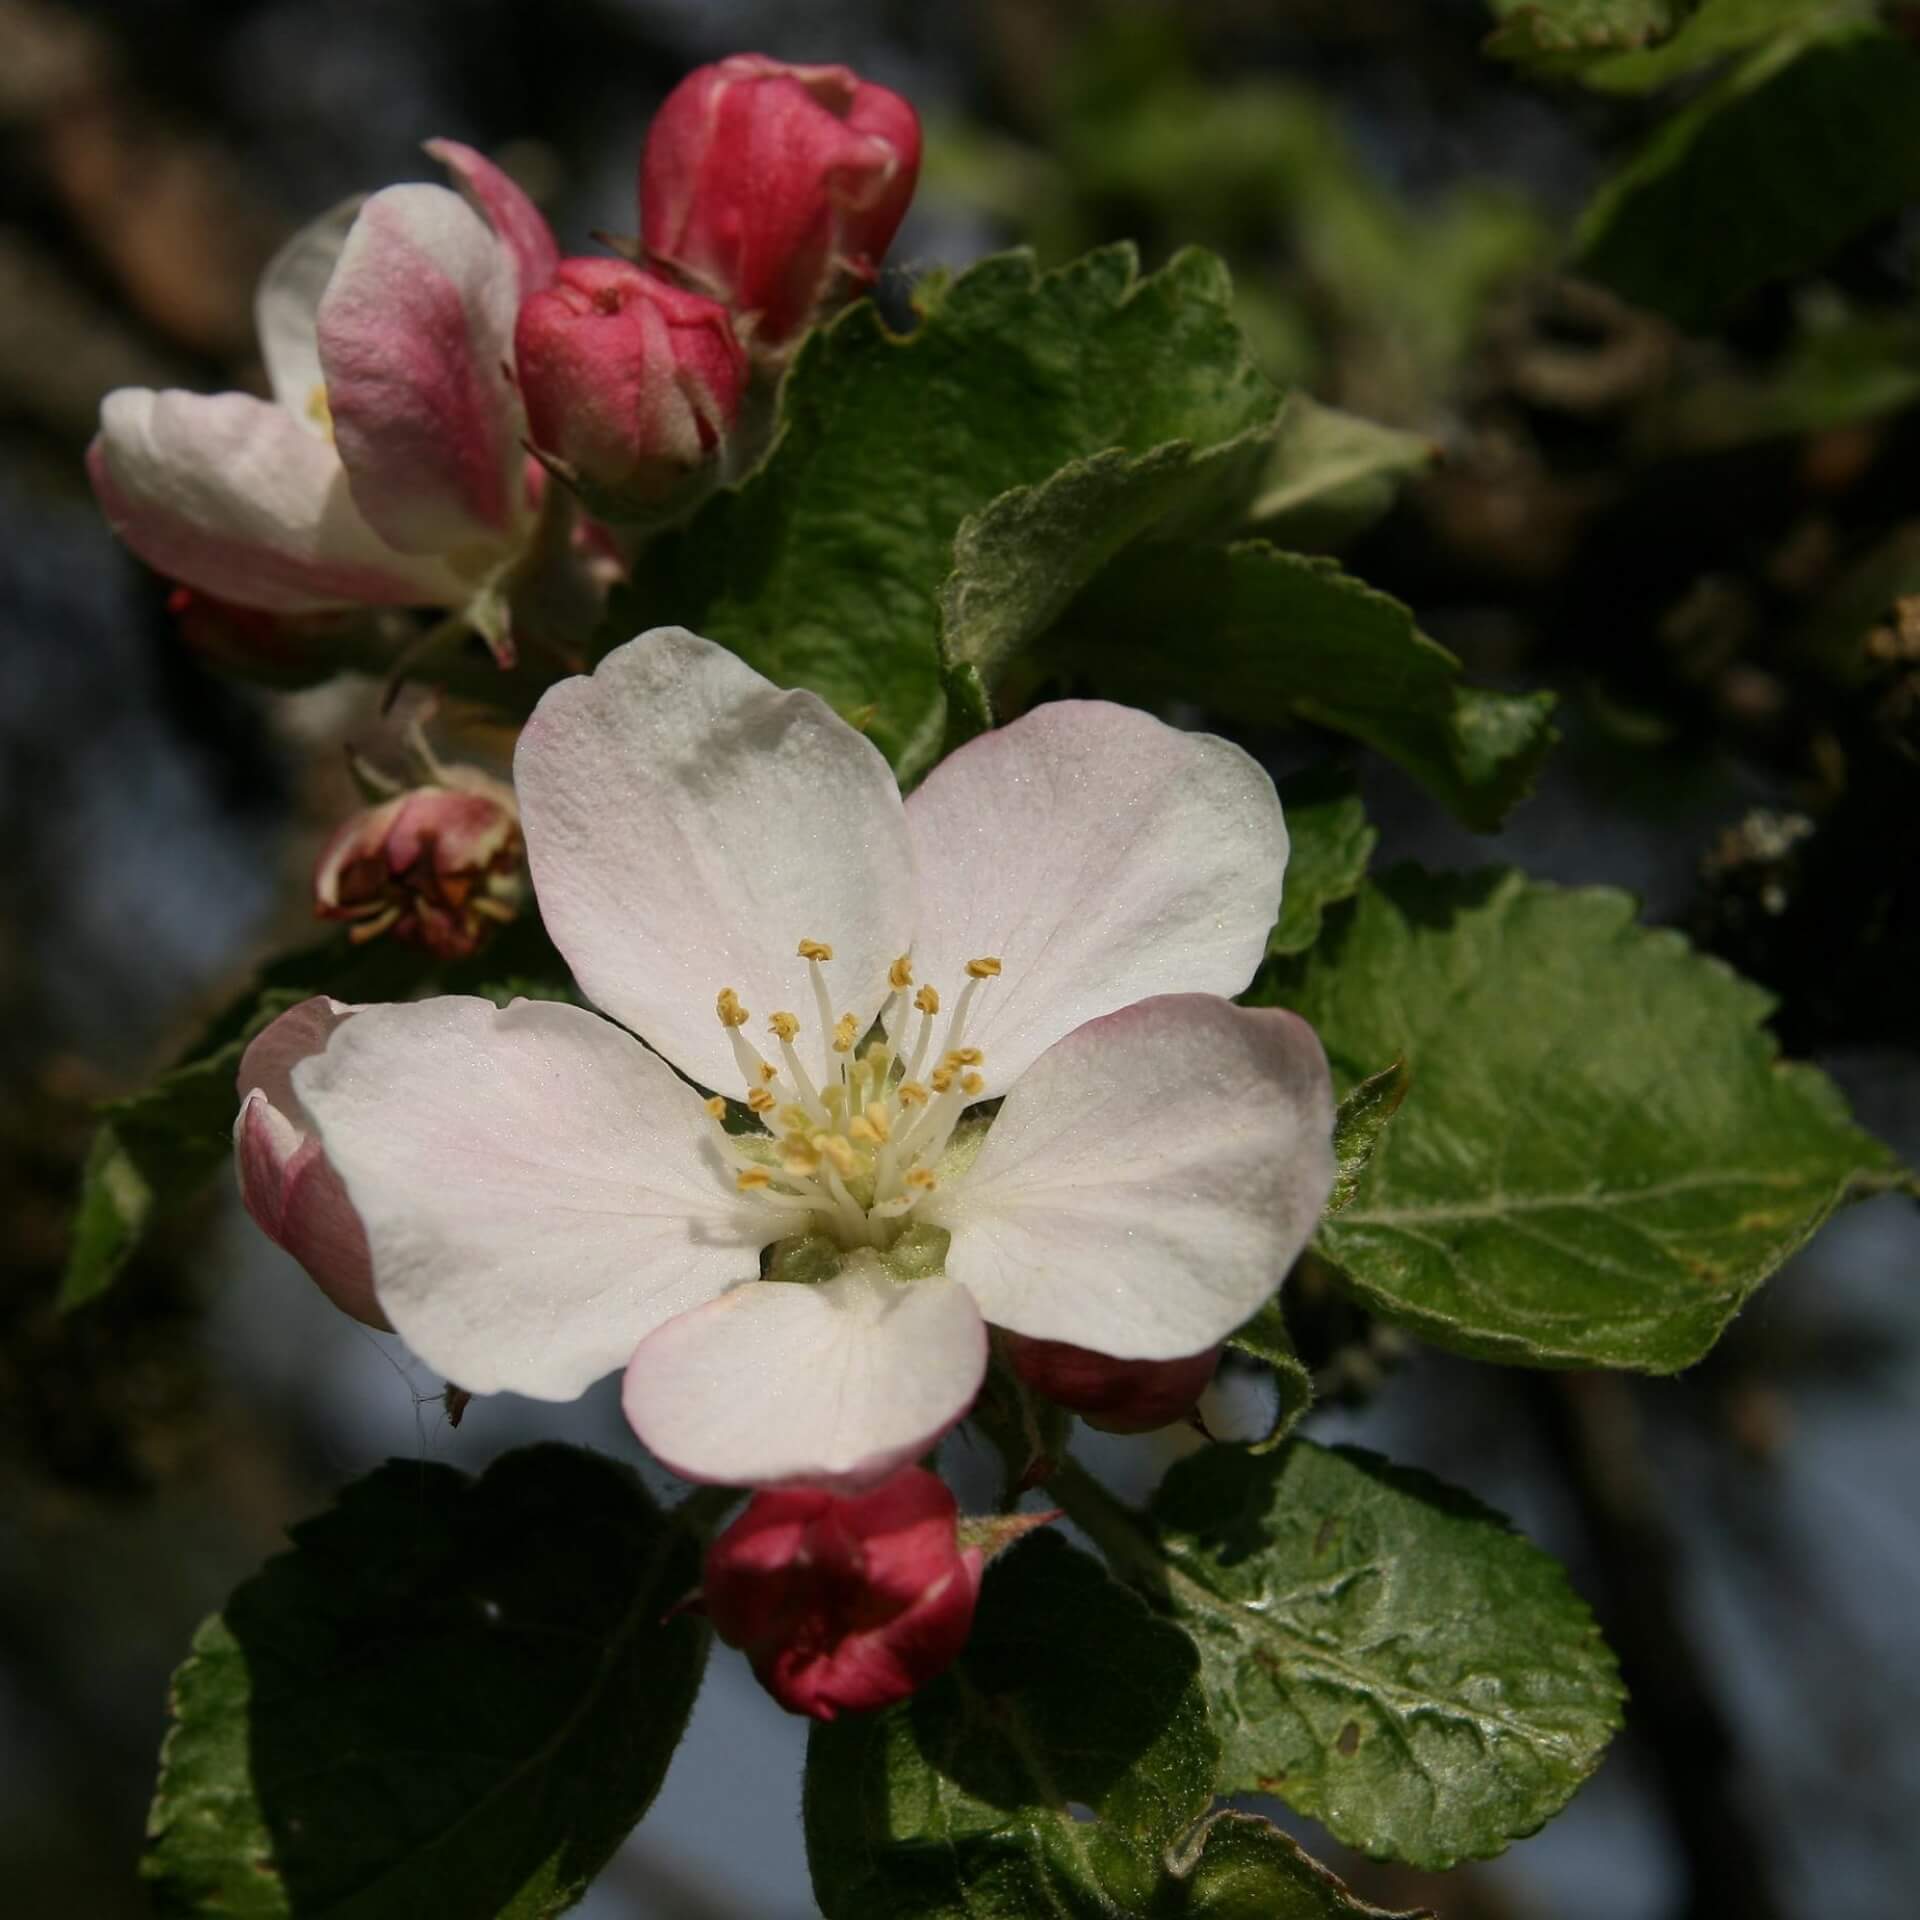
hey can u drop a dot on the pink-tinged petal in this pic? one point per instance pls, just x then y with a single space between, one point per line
226 493
688 824
295 1197
1117 1396
506 208
835 1385
539 1191
285 310
1150 1179
416 337
1101 856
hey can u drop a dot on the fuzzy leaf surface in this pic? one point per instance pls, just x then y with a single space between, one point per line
1601 1155
451 1697
824 568
1383 1652
1330 843
1273 638
1329 474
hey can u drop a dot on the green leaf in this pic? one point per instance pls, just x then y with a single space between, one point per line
1709 31
1764 176
1357 1126
1330 845
1266 1339
451 1697
1018 563
1329 474
1550 30
959 1802
1272 637
1602 1156
1383 1652
1240 1867
824 568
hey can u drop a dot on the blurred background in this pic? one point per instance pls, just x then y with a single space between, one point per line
1692 539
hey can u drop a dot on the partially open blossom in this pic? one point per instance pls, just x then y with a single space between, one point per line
437 867
844 1604
1117 1396
1050 921
387 469
630 383
776 188
286 1181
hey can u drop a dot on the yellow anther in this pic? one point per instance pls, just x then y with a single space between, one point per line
942 1077
815 950
973 1083
760 1100
964 1057
799 1159
877 1058
910 1093
845 1031
834 1097
783 1026
748 1178
318 411
862 1129
900 974
928 1000
795 1120
985 968
717 1107
728 1007
880 1119
922 1178
840 1151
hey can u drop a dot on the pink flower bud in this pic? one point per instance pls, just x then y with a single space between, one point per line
845 1605
286 1182
775 188
1117 1396
436 867
630 383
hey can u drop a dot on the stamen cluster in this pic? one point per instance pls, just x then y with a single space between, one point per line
854 1149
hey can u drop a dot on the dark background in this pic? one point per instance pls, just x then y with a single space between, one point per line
1392 205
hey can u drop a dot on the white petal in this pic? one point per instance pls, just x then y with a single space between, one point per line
537 1188
779 1384
284 310
226 493
1149 1181
688 824
416 338
1101 856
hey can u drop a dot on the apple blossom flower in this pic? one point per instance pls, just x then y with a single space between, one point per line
845 1604
388 468
435 866
775 188
1049 921
1117 1396
286 1180
631 384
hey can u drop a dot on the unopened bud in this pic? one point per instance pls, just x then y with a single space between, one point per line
631 384
845 1604
437 867
776 188
1117 1396
275 649
287 1183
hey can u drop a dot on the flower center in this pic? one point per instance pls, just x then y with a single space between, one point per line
852 1148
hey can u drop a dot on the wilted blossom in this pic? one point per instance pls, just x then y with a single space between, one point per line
1050 921
1117 1396
776 189
435 866
845 1604
388 469
286 1180
631 384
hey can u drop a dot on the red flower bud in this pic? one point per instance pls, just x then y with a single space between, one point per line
436 867
845 1605
1117 1396
776 188
286 1181
279 649
631 383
